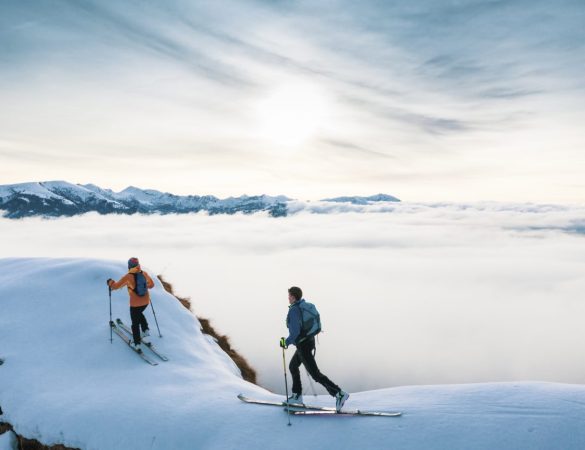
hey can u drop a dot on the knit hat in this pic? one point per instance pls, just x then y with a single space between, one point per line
133 262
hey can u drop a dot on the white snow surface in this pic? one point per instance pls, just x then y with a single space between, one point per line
8 441
64 382
58 190
32 188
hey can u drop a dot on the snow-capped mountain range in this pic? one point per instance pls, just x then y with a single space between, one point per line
60 198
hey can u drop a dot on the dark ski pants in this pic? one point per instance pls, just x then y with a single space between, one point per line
138 321
305 356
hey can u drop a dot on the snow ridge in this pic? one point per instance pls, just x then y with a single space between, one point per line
60 198
64 382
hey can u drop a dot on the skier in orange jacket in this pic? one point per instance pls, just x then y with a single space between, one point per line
138 283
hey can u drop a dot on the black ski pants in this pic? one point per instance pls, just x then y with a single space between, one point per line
305 356
138 321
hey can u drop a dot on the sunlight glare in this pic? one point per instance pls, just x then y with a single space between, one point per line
292 114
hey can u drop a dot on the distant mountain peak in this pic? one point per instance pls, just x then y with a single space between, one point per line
356 200
63 199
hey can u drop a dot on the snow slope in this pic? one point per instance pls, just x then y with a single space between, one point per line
8 441
64 382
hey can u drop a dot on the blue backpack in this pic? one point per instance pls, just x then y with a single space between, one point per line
140 284
311 321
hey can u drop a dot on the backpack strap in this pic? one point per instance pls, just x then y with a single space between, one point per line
135 281
302 338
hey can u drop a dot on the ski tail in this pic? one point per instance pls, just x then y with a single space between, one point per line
277 403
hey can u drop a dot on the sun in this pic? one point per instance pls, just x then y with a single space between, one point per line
291 114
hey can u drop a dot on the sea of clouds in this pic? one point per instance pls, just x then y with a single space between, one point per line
408 293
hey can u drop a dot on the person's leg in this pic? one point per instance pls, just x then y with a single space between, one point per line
135 316
305 351
143 322
294 365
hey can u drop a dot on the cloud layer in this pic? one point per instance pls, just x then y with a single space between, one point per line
419 294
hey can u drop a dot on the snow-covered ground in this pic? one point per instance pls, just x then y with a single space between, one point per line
64 382
8 441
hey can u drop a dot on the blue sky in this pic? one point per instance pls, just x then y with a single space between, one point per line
425 100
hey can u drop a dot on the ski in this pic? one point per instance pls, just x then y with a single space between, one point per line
127 340
316 410
283 404
148 344
357 412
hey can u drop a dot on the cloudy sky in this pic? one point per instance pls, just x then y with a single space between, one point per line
426 100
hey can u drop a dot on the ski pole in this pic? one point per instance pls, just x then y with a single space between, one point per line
286 386
110 292
311 382
309 376
156 321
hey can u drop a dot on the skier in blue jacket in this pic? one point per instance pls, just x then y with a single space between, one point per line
305 353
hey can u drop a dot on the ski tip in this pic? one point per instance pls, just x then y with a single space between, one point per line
245 398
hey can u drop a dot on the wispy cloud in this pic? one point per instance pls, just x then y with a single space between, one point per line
422 79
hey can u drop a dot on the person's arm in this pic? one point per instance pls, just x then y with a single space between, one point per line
294 325
124 281
149 282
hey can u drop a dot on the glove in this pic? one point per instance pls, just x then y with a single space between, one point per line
283 343
109 281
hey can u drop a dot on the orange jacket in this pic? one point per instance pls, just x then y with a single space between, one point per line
128 280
